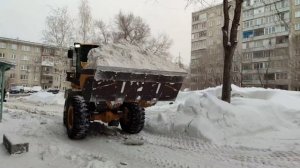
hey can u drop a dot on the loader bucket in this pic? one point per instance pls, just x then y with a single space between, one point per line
133 85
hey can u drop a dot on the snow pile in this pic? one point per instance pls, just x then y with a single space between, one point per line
255 113
45 98
126 55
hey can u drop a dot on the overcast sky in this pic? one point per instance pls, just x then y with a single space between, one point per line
25 19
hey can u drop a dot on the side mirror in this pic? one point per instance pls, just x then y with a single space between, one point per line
70 54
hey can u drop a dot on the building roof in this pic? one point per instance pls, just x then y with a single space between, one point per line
27 42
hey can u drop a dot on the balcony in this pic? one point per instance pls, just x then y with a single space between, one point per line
46 81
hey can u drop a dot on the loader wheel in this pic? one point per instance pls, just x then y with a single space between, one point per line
77 117
133 119
67 101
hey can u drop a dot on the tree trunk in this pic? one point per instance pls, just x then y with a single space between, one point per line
229 44
226 90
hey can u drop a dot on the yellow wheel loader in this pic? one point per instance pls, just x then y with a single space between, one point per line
113 95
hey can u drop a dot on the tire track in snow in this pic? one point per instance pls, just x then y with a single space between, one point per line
234 155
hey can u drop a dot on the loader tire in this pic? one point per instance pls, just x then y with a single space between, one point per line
133 119
65 112
77 117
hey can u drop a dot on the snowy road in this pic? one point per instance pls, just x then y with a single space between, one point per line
41 125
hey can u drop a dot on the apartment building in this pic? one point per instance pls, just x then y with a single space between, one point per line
268 54
269 44
207 48
36 64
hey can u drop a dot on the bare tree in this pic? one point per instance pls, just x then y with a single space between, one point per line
59 26
159 45
85 20
230 40
131 28
102 33
59 32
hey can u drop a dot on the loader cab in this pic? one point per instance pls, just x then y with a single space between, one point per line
78 55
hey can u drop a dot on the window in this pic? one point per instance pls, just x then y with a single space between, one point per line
248 34
281 76
259 21
2 55
195 27
246 66
37 50
297 2
297 14
258 43
24 77
259 10
248 13
282 39
297 26
195 18
270 76
258 54
2 45
12 75
25 48
199 44
259 32
281 28
218 21
14 46
203 16
13 56
260 65
25 58
24 67
219 11
246 3
297 51
35 78
270 30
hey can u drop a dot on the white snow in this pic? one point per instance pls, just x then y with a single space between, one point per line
264 118
260 128
125 55
45 98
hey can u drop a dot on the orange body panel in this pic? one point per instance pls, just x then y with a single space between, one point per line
106 117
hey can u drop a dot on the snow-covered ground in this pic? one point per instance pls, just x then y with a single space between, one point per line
260 128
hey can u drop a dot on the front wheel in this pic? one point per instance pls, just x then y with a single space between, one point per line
76 117
133 118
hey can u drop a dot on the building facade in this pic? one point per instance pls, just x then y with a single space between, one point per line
207 48
36 64
268 54
270 45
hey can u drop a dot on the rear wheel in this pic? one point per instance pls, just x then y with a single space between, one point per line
76 117
133 119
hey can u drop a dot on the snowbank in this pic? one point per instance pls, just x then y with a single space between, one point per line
254 115
45 98
126 55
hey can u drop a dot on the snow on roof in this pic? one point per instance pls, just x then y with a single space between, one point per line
129 56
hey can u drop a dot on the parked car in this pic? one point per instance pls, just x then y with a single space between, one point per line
16 89
35 89
53 90
27 89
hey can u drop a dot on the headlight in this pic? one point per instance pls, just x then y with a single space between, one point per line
77 45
